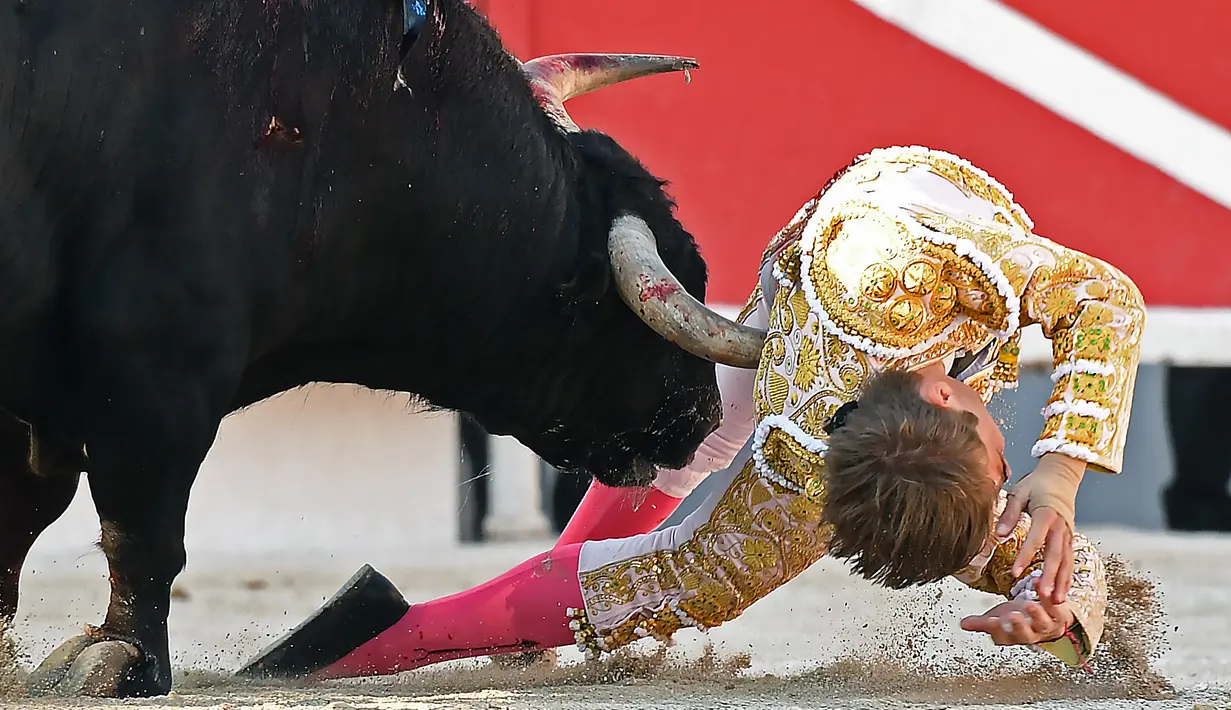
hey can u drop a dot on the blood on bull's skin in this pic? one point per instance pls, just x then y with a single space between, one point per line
204 203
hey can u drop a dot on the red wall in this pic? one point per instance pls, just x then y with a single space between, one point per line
785 98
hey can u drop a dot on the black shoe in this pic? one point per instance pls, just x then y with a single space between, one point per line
1197 513
365 606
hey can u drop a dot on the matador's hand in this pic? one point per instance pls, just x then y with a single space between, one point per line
1021 623
1049 495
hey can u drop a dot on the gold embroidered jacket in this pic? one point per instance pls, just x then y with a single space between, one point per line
913 256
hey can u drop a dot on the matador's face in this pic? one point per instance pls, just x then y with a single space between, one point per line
940 389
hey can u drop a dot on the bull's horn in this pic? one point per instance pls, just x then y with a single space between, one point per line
560 77
654 294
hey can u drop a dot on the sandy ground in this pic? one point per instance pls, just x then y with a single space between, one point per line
826 640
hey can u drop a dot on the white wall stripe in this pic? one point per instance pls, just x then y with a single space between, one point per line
1173 334
1073 83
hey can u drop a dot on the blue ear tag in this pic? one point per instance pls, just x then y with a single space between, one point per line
414 17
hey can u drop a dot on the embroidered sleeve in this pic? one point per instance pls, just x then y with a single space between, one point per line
991 571
1094 316
754 305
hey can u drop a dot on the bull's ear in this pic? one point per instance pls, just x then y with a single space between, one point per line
582 293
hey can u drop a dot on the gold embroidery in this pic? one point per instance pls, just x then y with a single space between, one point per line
788 262
1015 274
760 535
807 364
1094 316
808 372
944 298
1094 313
778 390
906 314
799 309
1006 367
879 281
750 305
814 416
960 176
791 232
919 278
842 279
991 240
1051 427
1095 388
1092 343
1082 429
793 462
1059 305
758 538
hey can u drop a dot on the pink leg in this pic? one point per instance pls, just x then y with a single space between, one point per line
607 513
524 609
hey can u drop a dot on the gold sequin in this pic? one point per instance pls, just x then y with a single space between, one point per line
879 281
906 314
919 277
944 298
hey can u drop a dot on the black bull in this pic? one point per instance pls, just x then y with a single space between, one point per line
204 203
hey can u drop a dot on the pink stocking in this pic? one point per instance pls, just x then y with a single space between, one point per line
607 513
524 609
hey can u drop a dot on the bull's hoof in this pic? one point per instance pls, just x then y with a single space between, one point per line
87 666
526 659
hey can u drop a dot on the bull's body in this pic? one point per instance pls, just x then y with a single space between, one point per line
203 204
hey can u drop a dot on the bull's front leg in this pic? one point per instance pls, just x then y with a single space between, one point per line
141 507
142 535
153 401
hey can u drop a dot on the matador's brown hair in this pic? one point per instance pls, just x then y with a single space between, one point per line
908 498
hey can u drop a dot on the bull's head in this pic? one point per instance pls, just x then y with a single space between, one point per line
645 283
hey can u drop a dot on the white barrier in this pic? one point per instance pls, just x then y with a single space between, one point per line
514 511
